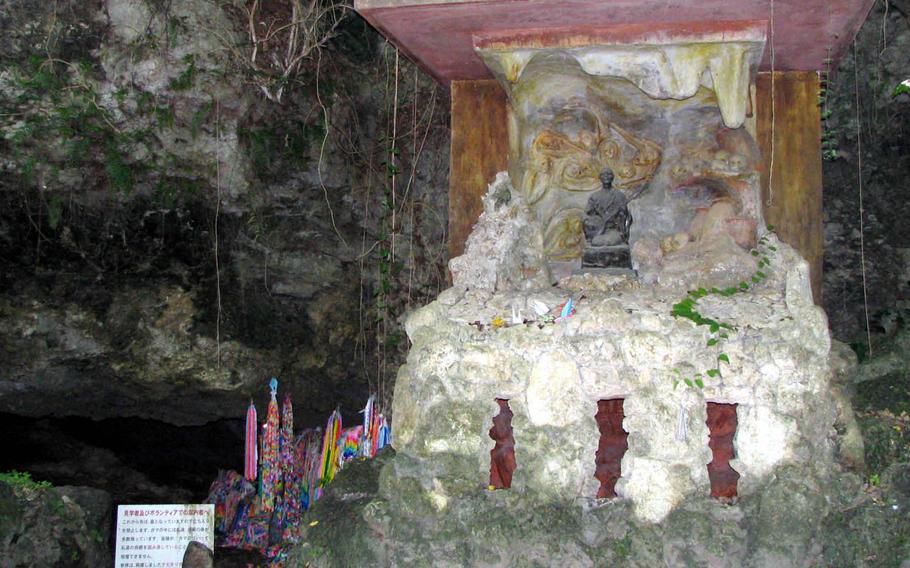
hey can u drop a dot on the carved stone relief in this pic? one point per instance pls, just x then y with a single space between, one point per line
564 165
688 176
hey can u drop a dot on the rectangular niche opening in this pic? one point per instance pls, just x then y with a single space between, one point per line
611 447
721 428
502 456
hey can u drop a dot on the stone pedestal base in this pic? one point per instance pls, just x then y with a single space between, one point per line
617 256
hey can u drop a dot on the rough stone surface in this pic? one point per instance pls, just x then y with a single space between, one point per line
690 181
505 249
723 61
67 526
620 343
428 504
171 239
388 512
198 555
880 63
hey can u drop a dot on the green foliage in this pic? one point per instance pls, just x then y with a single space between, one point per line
59 105
22 479
861 349
623 547
54 211
164 115
830 134
59 109
886 438
187 78
40 77
387 266
273 147
200 117
170 192
687 308
119 173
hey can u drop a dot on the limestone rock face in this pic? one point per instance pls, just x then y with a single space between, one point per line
621 343
389 511
171 238
66 526
505 249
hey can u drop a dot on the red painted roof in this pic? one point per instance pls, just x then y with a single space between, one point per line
439 34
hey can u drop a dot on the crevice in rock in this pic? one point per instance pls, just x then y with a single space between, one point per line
722 427
502 456
611 447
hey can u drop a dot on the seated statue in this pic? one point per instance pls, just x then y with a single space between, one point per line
606 226
607 217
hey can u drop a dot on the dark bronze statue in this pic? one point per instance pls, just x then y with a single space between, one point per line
606 226
607 217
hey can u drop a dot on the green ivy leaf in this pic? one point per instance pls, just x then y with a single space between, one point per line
700 383
713 372
761 274
743 286
688 382
723 357
755 253
712 342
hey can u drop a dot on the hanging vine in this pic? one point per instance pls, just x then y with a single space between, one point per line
719 331
282 37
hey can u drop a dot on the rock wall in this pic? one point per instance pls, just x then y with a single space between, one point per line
54 526
881 63
171 237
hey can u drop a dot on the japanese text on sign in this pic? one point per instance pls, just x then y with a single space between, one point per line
156 536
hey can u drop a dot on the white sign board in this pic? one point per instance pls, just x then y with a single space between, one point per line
155 536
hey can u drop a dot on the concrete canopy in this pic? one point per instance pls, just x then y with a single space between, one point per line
440 34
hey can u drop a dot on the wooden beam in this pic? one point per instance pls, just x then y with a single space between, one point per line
480 149
793 202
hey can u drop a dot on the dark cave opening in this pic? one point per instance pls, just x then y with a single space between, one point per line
502 456
135 460
722 428
611 447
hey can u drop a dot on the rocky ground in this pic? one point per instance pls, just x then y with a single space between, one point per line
367 519
41 525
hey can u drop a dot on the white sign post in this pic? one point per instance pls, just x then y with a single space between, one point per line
156 536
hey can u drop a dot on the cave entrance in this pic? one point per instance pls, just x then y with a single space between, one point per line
721 428
611 447
502 456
